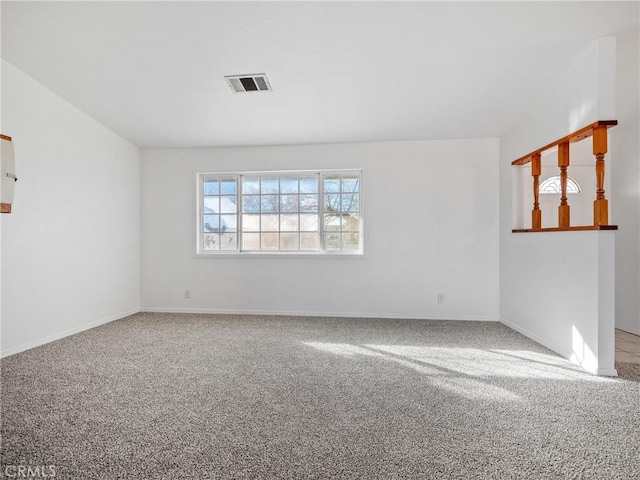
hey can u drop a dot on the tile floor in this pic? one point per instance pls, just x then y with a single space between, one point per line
627 347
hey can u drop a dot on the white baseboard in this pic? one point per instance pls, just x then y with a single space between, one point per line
607 372
65 333
604 372
468 318
544 342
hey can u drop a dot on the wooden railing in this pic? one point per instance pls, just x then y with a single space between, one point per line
598 132
4 207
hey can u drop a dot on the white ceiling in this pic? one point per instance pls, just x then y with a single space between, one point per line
340 71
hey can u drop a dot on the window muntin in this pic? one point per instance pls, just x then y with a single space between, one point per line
312 212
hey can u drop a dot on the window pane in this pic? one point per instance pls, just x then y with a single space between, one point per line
251 203
228 186
331 183
332 241
350 241
269 203
350 183
269 223
308 203
211 223
289 222
289 185
281 212
309 241
228 241
332 202
288 241
269 185
269 241
210 241
351 203
351 223
227 223
211 204
250 185
288 203
332 223
250 223
309 184
211 187
308 222
251 241
552 185
228 204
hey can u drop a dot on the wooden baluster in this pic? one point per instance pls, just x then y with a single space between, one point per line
564 210
536 213
600 204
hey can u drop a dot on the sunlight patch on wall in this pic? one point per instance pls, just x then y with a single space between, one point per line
581 352
579 116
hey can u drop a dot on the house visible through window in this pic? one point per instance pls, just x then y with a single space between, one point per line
552 185
280 212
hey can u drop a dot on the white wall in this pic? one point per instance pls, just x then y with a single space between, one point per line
569 298
624 193
430 226
1 130
71 247
557 287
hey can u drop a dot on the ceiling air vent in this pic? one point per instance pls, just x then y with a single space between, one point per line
255 82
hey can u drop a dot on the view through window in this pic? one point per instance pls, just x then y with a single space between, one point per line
280 212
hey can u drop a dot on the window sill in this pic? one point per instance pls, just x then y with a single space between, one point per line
278 255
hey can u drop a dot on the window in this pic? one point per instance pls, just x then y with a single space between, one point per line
552 185
313 212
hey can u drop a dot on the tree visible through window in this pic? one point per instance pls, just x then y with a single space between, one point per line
280 212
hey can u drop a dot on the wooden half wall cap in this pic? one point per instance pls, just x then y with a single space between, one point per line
576 136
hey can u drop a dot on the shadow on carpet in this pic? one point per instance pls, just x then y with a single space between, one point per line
182 396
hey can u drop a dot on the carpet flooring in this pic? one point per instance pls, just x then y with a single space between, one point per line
168 396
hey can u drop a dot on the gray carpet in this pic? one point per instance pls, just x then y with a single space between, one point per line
162 396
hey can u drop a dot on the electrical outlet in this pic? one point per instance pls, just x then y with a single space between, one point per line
187 294
441 298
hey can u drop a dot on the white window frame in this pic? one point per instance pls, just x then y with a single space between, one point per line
238 252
